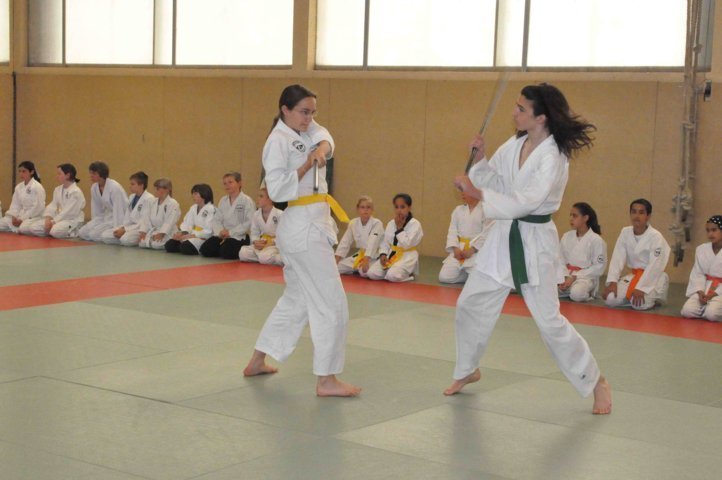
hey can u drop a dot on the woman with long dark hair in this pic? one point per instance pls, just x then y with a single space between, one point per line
306 234
583 253
64 215
28 201
521 187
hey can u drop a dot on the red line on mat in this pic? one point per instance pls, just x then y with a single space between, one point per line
46 293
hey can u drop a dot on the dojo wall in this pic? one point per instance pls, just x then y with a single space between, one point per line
392 136
395 132
6 139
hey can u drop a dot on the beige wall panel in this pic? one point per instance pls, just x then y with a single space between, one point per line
707 184
202 133
84 119
379 130
260 106
6 140
668 169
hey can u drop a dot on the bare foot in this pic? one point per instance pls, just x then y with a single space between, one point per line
331 386
257 365
602 398
456 387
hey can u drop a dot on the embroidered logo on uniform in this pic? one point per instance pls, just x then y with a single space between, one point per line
275 220
600 259
28 191
658 252
140 207
204 215
67 195
165 209
298 145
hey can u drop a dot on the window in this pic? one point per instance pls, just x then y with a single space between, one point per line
161 32
4 31
223 32
505 33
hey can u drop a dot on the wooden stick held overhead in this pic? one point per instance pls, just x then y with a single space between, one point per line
498 93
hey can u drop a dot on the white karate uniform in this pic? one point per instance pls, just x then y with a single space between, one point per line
269 255
235 218
706 263
107 210
306 234
28 203
131 222
367 237
199 222
408 265
66 211
510 192
650 252
589 253
465 224
159 218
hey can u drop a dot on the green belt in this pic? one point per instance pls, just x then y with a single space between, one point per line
516 249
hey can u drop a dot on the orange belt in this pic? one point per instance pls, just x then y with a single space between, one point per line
573 268
715 283
635 280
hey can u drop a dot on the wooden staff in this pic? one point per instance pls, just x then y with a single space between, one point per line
498 92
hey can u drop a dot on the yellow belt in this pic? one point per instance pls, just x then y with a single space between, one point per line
359 258
399 253
197 229
465 242
321 198
268 238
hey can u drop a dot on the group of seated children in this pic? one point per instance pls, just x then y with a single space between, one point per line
143 219
236 229
388 254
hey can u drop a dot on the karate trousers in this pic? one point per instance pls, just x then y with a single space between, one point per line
314 295
478 309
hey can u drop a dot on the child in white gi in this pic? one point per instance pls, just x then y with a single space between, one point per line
232 222
28 201
197 225
139 201
583 254
314 293
521 187
705 280
467 231
398 258
64 214
108 203
366 232
645 251
263 247
159 220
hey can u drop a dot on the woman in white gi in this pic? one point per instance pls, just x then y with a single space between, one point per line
467 231
398 258
139 201
265 220
583 253
705 280
645 251
366 232
520 187
64 214
28 201
197 225
232 221
160 218
108 203
306 234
